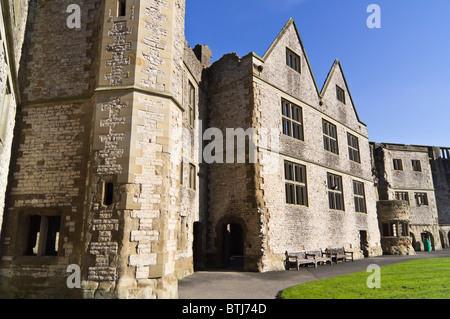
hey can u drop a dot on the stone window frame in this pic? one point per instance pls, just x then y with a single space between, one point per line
47 219
402 196
292 120
397 164
296 189
416 165
421 199
353 148
192 177
293 60
121 8
335 192
191 103
394 229
330 138
359 195
340 94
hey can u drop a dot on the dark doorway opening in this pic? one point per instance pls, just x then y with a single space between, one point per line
233 246
197 246
363 244
427 237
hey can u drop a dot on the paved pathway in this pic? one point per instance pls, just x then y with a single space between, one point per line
251 285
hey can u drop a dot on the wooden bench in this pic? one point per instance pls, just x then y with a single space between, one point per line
299 258
337 254
319 256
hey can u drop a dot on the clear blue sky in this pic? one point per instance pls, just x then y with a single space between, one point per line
399 75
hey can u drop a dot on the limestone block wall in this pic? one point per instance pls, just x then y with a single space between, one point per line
301 85
137 148
440 169
410 181
48 179
11 41
50 141
69 55
233 186
315 225
424 217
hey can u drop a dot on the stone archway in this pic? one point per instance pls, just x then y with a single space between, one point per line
230 243
427 235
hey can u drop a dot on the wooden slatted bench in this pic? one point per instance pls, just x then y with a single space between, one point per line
319 256
339 254
299 258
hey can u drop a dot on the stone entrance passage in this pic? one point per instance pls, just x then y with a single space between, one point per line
233 246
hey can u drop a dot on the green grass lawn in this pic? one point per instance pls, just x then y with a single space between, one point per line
415 279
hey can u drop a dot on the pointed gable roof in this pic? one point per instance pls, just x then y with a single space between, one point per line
291 23
337 64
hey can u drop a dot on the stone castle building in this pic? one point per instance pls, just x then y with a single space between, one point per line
105 132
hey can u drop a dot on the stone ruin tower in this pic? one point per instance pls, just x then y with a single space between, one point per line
97 179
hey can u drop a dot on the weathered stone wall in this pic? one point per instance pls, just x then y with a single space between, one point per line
48 179
440 169
256 103
138 145
232 187
291 227
12 32
424 218
395 212
69 55
410 181
51 144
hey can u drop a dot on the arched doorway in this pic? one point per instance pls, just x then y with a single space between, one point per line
233 246
441 236
427 236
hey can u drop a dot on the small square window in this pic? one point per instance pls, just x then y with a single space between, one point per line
335 192
295 184
416 165
43 235
292 118
293 60
353 148
402 196
398 165
421 199
340 94
330 142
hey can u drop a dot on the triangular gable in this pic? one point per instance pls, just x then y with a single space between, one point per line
290 23
337 64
